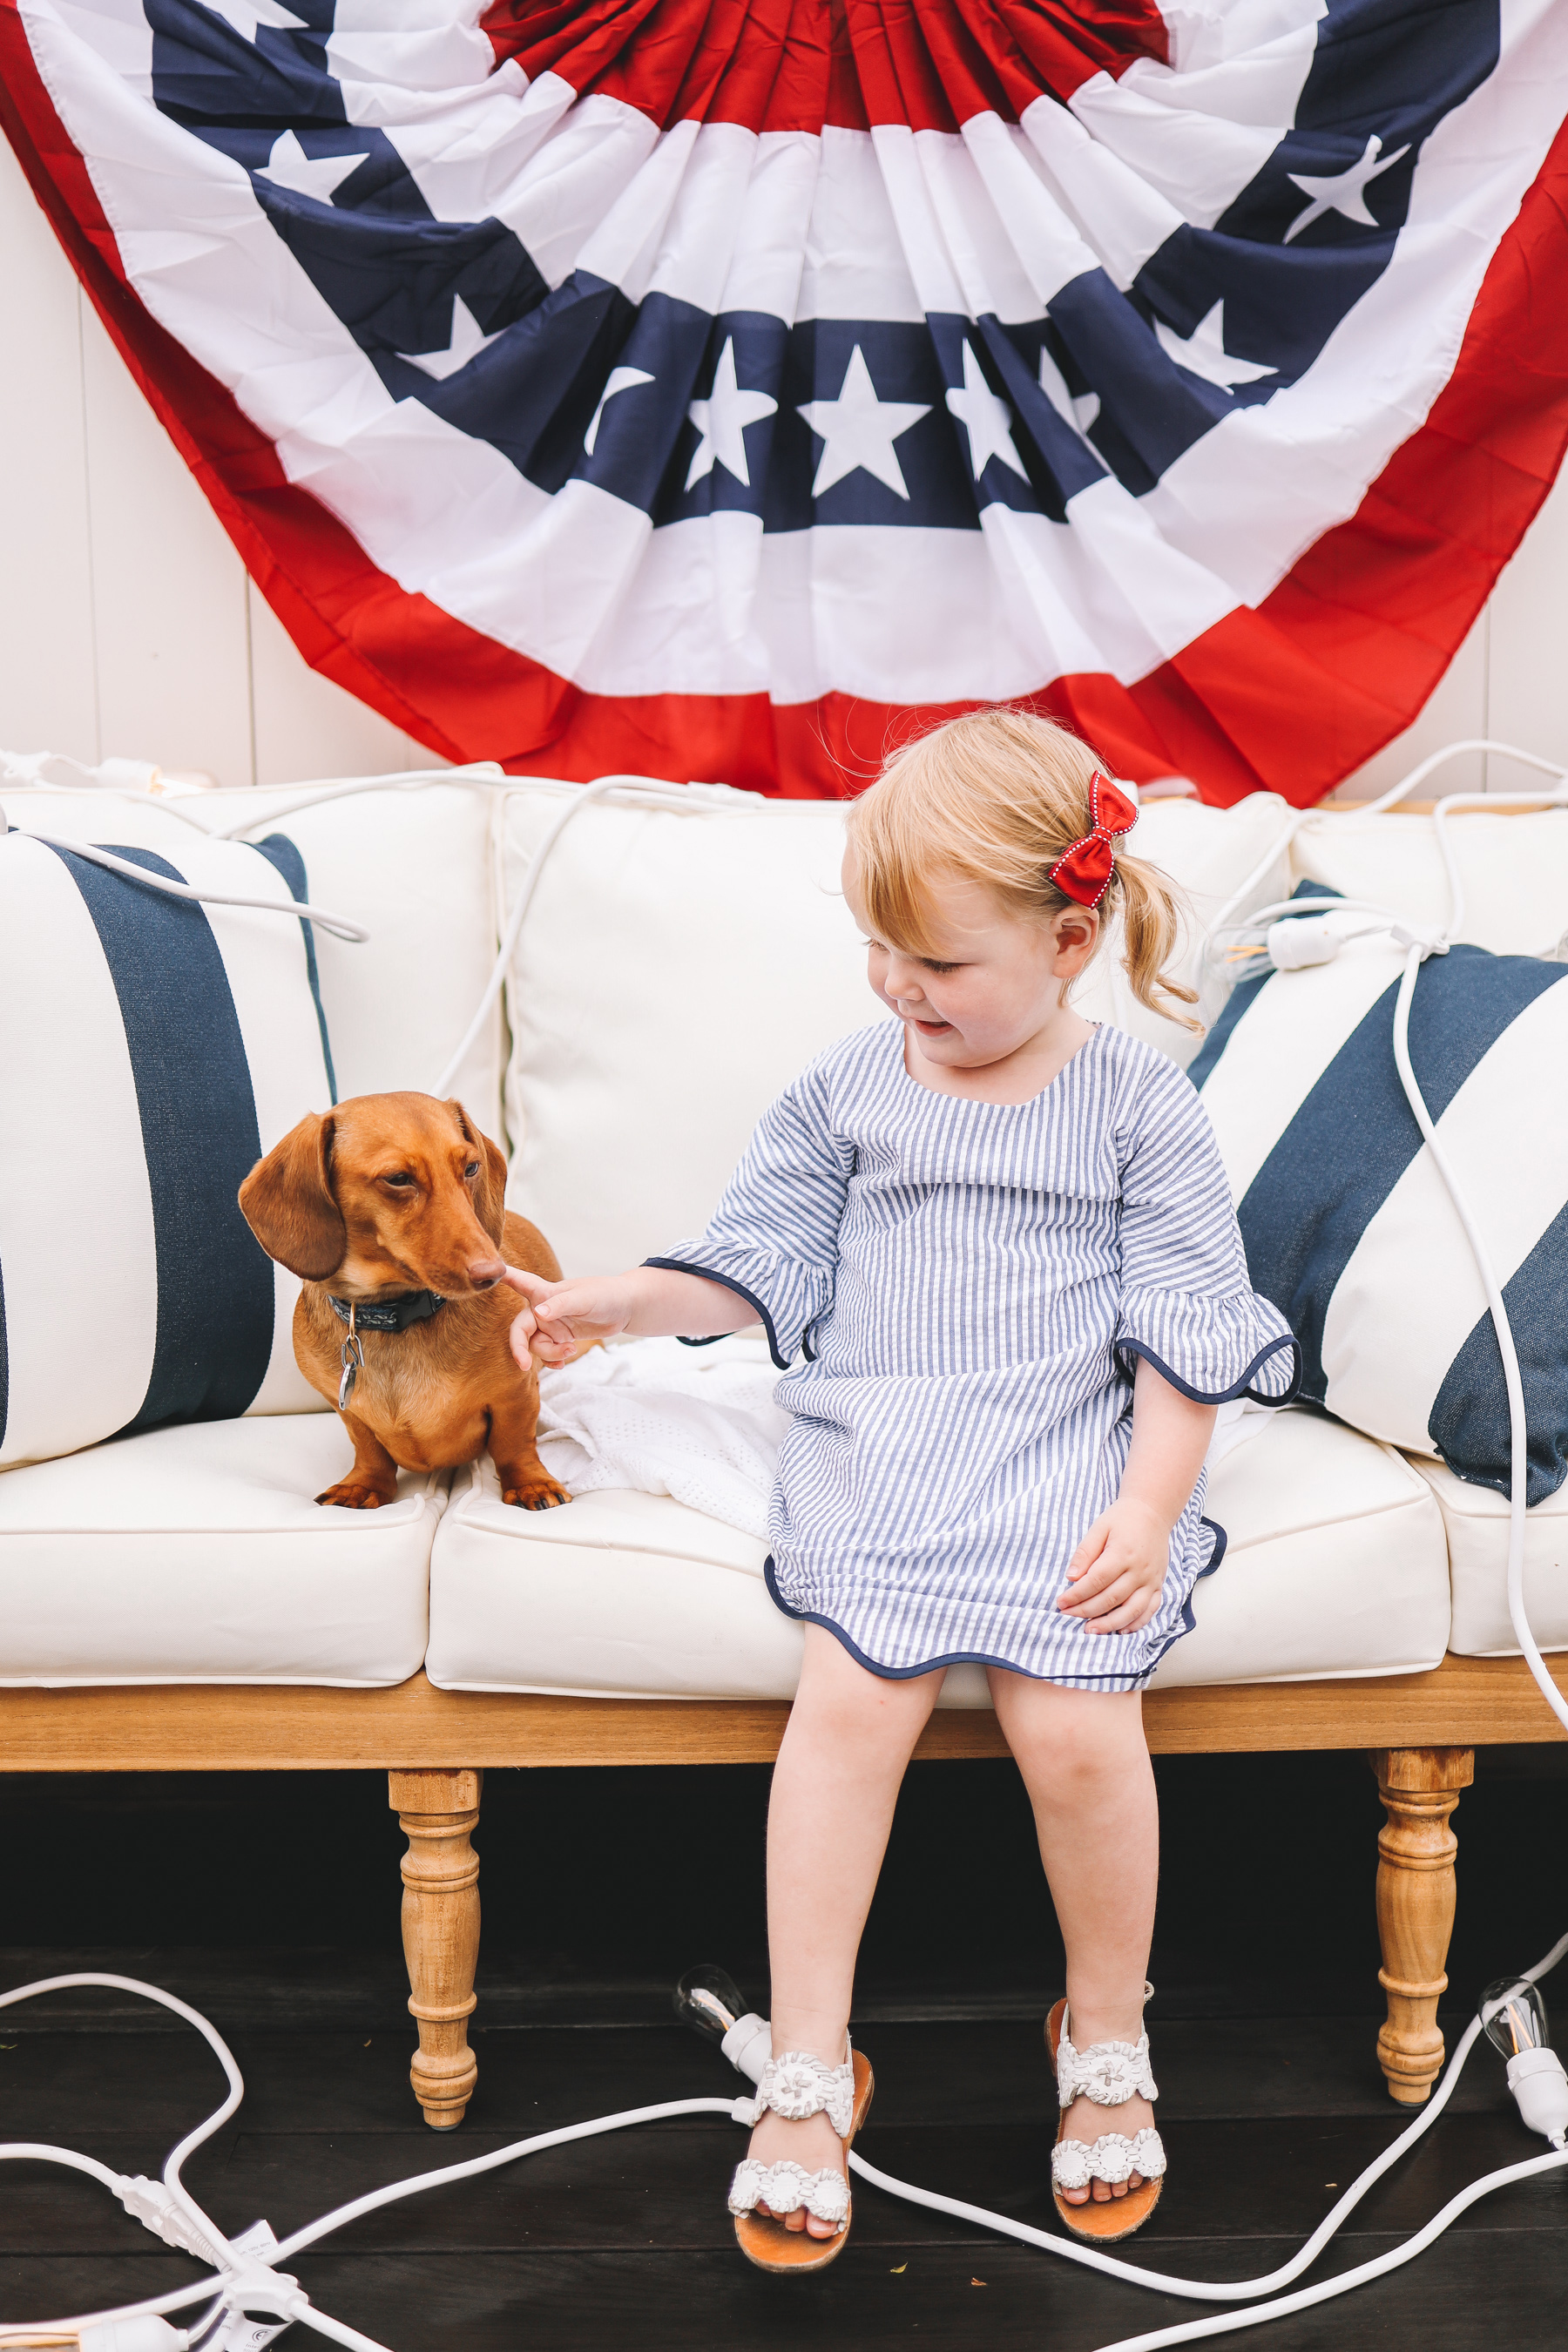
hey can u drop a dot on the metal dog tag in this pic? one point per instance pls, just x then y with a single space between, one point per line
353 1362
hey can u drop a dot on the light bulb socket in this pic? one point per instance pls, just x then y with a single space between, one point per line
1539 2088
749 2045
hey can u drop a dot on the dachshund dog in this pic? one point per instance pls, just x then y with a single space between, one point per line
391 1211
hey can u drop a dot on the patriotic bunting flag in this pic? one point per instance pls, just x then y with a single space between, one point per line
716 388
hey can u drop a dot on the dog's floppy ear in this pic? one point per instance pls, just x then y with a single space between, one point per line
287 1200
490 1193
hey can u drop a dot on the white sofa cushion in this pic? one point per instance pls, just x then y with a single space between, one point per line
678 965
197 1555
151 1050
1335 1565
1476 1521
410 864
1514 870
1347 1223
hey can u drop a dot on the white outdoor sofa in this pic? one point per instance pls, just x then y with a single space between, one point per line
177 1602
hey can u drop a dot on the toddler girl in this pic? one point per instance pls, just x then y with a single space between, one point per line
993 1251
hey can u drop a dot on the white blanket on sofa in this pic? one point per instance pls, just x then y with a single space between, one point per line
700 1423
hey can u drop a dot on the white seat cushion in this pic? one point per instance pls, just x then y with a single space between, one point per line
1476 1520
1336 1566
1335 1563
197 1555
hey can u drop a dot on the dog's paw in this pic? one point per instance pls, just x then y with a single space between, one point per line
349 1496
535 1494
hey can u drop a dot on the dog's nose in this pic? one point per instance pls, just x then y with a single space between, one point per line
484 1273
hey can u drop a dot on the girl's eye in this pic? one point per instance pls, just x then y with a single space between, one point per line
929 966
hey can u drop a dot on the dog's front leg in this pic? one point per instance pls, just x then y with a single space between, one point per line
514 1450
374 1478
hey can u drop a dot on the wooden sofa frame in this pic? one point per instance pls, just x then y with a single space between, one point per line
1421 1732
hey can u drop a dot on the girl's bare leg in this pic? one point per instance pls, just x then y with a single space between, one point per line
1085 1763
848 1738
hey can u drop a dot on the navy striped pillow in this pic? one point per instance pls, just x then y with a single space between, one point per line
1348 1227
152 1049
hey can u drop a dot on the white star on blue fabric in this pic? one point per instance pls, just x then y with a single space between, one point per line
858 429
721 420
985 418
620 379
468 339
1341 192
288 166
1204 352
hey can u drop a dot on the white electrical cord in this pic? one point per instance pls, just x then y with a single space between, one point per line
301 909
250 2280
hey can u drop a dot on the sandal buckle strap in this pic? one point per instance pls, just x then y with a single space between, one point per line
784 2187
798 2084
1109 2072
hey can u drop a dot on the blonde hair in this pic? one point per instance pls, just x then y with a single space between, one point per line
998 797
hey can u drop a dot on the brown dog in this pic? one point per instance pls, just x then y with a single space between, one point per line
394 1205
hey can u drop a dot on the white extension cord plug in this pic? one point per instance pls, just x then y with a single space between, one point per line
1540 2087
1297 940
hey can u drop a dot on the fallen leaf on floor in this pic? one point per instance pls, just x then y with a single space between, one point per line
367 2044
976 2282
898 2270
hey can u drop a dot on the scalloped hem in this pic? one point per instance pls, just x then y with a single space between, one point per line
1109 1683
1237 1388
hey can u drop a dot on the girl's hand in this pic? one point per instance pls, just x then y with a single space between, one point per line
1117 1573
562 1317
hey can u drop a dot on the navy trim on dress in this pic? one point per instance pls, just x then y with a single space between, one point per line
978 1657
706 1273
1238 1389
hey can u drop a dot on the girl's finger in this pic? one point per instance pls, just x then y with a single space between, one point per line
1089 1551
1103 1571
1126 1620
1090 1607
531 1285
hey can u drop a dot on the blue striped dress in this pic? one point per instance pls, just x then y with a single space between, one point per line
968 1284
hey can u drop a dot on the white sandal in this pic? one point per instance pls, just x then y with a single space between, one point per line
1109 2072
795 2085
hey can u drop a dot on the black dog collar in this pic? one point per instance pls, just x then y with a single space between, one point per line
393 1314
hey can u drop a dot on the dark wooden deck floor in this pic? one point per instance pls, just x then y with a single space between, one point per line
624 2243
1263 2035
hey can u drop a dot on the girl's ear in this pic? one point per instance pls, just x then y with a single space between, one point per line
1076 933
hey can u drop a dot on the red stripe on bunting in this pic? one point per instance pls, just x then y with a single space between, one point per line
929 64
1289 699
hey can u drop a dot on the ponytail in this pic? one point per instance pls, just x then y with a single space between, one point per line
1151 932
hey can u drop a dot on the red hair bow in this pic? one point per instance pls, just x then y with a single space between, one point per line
1084 871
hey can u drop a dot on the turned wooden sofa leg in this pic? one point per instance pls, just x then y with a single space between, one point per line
1416 1894
438 1812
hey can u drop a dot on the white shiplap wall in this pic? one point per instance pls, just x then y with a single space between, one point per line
128 625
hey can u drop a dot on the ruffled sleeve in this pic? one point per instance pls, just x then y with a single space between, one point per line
1186 1301
773 1237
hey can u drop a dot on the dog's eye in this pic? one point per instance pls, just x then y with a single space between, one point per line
472 1169
401 1180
